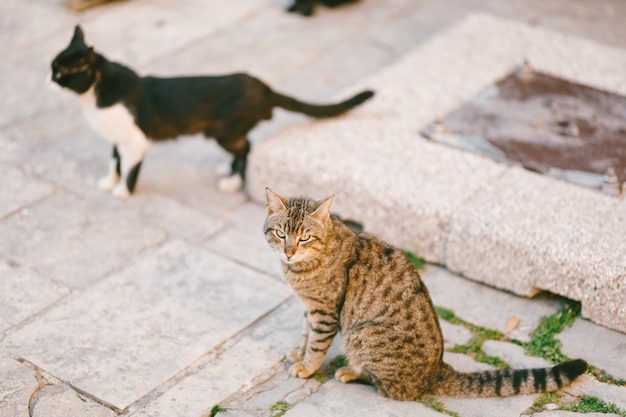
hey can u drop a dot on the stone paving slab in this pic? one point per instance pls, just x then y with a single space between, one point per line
514 355
344 400
74 241
19 191
231 367
154 318
246 248
17 384
24 293
609 393
63 401
467 299
587 340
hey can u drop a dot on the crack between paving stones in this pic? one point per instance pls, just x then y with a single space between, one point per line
196 365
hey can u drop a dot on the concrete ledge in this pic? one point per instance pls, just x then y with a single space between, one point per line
489 221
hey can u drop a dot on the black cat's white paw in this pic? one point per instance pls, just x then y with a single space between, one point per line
108 182
230 184
120 191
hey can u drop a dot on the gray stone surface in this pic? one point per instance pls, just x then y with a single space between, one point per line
339 400
454 334
588 385
74 241
602 347
19 191
520 247
467 299
514 355
561 413
154 318
231 367
247 248
68 402
24 293
490 407
17 384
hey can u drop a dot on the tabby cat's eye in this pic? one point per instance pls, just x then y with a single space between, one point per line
304 238
280 233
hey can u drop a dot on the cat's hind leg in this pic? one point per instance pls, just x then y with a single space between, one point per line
304 7
110 180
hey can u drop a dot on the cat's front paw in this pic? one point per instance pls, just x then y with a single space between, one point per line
230 184
107 183
120 191
295 355
345 374
299 370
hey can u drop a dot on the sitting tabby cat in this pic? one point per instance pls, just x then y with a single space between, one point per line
131 111
368 290
305 7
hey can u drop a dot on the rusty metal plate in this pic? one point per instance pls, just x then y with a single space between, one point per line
546 124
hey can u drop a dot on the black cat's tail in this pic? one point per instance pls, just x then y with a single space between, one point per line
320 110
506 382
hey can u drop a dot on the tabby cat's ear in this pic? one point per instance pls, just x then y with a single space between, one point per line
274 201
79 37
322 209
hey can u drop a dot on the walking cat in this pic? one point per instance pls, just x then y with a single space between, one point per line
369 290
306 7
132 111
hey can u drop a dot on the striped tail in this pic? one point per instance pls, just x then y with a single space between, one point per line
321 110
506 382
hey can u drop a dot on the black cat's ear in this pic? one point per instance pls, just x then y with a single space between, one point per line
322 209
78 37
274 201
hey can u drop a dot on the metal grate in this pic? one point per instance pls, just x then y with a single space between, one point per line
548 125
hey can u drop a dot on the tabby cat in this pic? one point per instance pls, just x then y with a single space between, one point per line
131 111
306 7
369 290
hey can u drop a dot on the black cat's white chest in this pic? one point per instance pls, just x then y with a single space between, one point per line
115 123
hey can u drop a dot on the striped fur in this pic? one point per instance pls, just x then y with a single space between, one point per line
368 290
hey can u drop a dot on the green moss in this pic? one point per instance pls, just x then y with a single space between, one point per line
435 404
473 348
215 410
602 376
592 405
326 373
543 342
279 408
415 260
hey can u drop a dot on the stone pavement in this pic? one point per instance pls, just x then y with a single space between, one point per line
169 304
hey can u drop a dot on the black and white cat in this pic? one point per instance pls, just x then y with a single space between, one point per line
306 7
132 111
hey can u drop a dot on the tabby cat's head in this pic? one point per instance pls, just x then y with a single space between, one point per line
74 67
296 227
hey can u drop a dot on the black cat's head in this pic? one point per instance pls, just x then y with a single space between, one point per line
74 67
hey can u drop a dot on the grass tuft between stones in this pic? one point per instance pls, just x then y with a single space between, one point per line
279 408
328 372
415 260
584 404
543 342
215 410
473 348
434 404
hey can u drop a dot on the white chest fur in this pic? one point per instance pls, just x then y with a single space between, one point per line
114 123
